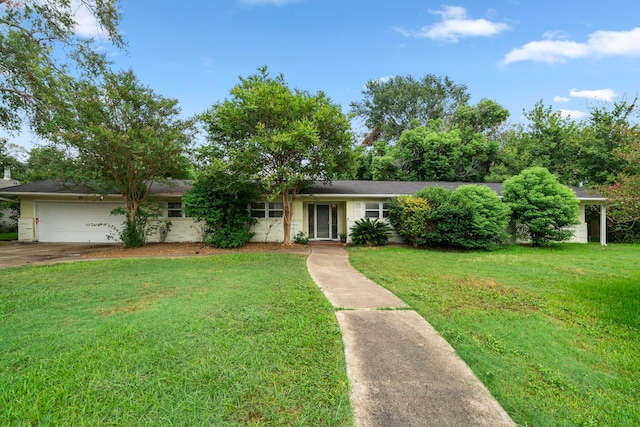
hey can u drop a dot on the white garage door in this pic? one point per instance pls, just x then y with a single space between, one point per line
76 222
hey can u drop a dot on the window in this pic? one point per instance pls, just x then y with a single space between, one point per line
376 210
174 209
266 210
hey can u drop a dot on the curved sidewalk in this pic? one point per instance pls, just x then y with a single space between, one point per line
401 371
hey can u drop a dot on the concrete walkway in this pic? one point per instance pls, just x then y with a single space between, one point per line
401 371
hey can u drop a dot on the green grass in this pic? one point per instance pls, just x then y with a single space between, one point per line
8 236
230 340
554 332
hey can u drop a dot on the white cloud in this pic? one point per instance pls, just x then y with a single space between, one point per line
555 35
573 114
561 99
599 44
269 2
455 25
601 94
86 23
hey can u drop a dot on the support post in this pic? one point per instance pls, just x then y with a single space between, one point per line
603 225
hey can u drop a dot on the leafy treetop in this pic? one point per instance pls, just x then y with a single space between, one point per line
284 138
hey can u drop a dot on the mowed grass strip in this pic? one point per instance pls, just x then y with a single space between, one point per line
553 332
237 339
8 236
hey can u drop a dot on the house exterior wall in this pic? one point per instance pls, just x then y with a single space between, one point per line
350 209
581 234
272 229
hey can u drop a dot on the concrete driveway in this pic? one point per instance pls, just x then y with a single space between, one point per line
13 254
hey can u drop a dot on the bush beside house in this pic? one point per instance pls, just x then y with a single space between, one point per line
474 217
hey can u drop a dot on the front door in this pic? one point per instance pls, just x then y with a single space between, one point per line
323 221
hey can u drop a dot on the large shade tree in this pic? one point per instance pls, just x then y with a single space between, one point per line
285 138
41 43
391 106
125 136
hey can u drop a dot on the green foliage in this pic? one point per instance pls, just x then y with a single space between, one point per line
301 238
427 154
285 138
411 218
575 151
49 162
126 136
40 44
486 216
624 195
370 232
391 107
136 231
440 151
220 201
542 207
471 217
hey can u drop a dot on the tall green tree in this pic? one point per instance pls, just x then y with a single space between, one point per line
126 137
548 140
543 208
49 162
389 107
10 157
610 130
434 154
41 44
285 138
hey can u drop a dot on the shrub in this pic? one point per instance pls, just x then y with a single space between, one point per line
542 207
301 238
220 201
410 216
371 233
471 217
135 232
439 227
482 218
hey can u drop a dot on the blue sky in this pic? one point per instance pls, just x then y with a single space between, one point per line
569 54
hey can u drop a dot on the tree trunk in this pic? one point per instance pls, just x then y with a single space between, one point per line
287 216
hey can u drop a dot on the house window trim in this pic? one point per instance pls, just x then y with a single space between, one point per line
171 209
382 209
270 210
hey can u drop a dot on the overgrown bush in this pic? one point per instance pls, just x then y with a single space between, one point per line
135 232
543 208
471 217
482 218
220 201
370 232
410 216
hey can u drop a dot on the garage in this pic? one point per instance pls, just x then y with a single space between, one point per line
76 222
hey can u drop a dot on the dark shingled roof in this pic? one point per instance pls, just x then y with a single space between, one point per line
51 186
391 188
336 188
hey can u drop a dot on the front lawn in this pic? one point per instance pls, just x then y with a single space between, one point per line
8 236
236 339
553 332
